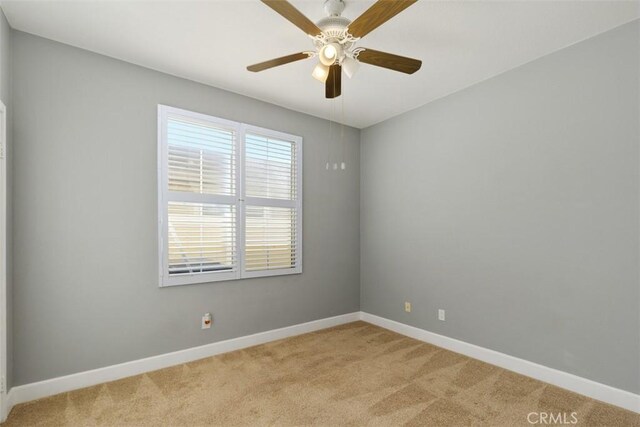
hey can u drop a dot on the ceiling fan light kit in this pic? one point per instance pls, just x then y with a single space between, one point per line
330 53
350 66
334 38
320 72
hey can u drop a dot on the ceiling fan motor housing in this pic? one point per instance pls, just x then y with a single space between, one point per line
333 26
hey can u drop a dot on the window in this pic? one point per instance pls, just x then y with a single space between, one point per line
230 199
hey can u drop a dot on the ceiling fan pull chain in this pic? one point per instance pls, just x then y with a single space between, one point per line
343 164
329 139
335 116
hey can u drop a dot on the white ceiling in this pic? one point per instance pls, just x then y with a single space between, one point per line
459 42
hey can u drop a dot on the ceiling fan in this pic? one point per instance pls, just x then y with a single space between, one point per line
334 39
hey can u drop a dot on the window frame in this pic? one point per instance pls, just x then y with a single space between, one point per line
239 200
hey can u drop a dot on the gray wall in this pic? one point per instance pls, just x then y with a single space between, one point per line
86 287
5 97
514 206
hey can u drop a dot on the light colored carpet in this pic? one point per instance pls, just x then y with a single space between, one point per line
354 374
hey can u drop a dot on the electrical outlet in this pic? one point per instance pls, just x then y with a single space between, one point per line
407 307
206 321
441 315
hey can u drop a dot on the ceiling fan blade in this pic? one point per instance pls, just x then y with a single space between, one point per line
278 61
294 16
389 60
334 82
376 15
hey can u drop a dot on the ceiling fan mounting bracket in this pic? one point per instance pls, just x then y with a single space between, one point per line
334 7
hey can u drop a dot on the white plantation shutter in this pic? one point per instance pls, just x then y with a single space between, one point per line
272 222
201 238
199 206
270 238
270 167
201 157
229 199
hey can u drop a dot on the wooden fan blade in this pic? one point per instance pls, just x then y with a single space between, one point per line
334 82
277 61
376 15
294 16
390 61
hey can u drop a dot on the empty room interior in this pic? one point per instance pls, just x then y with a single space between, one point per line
328 213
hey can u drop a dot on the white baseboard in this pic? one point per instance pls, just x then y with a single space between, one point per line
28 392
595 390
4 406
8 403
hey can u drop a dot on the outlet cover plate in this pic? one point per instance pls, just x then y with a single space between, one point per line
207 320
